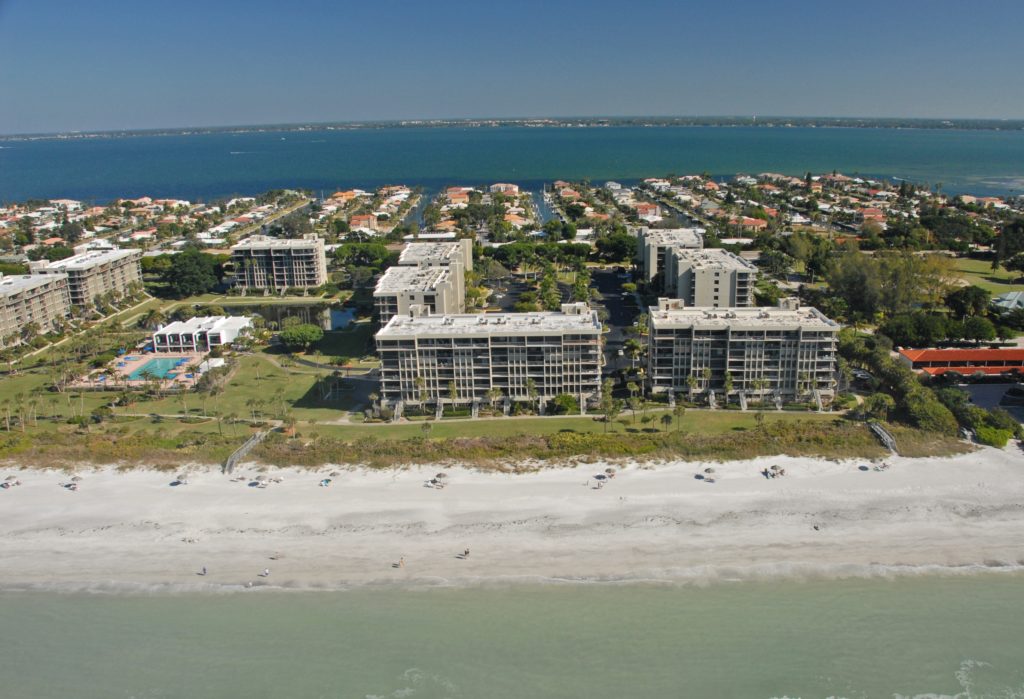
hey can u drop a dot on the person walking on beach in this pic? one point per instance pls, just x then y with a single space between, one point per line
204 571
465 554
266 572
401 562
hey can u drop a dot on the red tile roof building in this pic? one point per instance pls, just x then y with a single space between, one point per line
992 362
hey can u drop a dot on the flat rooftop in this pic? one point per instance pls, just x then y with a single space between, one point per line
402 279
265 242
708 318
206 323
88 260
468 324
714 258
419 253
11 284
674 237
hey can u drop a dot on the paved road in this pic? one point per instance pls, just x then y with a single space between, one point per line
622 312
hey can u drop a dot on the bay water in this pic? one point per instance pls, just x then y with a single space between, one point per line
207 166
930 635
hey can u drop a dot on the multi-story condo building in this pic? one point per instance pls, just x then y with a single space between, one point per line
712 277
42 299
199 334
432 288
525 356
787 352
263 262
457 256
94 273
654 243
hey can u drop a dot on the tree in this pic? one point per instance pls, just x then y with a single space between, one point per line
190 273
878 406
565 404
634 405
494 395
617 247
969 300
691 384
634 349
453 392
666 420
1010 241
979 329
301 336
679 411
531 391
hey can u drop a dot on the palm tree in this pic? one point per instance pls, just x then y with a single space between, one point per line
691 384
804 380
634 405
666 420
231 417
494 395
634 349
154 319
706 375
421 389
531 391
679 410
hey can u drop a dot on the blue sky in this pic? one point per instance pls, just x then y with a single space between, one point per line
73 65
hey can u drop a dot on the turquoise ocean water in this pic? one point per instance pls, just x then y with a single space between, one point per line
915 636
208 166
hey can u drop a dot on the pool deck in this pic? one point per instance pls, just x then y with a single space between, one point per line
134 361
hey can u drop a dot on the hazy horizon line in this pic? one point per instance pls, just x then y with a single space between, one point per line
455 120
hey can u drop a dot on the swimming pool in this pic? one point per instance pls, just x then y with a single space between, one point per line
160 368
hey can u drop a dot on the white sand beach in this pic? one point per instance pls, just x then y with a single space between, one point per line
651 522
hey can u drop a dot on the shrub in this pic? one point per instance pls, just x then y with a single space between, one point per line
926 412
1000 419
564 404
992 436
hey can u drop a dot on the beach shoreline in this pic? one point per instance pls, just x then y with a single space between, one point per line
659 523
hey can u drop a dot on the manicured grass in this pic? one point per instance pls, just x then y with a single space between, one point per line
259 379
704 421
980 273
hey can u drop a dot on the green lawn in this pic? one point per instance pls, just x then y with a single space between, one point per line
705 422
980 273
259 379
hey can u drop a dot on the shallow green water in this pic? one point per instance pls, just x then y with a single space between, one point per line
913 636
